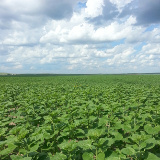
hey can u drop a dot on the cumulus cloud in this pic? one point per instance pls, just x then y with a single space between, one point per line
33 12
79 36
94 8
120 3
87 33
146 13
152 49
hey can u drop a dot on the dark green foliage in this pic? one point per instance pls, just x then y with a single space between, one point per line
80 117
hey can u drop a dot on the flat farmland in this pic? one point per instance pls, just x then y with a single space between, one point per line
80 117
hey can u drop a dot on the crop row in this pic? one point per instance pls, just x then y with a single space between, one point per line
79 118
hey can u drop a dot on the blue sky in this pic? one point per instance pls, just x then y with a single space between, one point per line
79 36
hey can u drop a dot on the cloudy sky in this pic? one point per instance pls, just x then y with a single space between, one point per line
79 36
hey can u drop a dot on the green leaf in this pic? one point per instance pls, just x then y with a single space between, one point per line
103 121
110 141
14 130
92 118
80 131
26 158
157 129
14 157
150 143
127 128
68 145
151 130
8 150
85 144
101 156
136 127
2 143
136 138
106 141
128 151
112 158
23 151
58 156
34 148
9 104
118 125
117 135
102 140
112 155
151 156
88 156
5 151
3 130
95 133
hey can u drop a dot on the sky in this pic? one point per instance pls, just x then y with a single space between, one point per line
80 36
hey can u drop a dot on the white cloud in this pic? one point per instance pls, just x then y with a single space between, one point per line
18 66
120 54
94 8
16 38
34 13
28 6
74 43
83 32
120 3
153 49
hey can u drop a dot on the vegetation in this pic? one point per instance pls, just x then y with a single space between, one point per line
104 117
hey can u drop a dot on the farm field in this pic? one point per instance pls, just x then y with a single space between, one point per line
85 117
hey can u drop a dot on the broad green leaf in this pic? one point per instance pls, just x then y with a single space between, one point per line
26 158
95 133
8 150
106 141
117 135
157 129
110 141
101 156
34 148
88 156
9 104
14 130
118 125
85 144
23 151
151 130
103 121
14 157
58 156
150 143
136 127
46 135
136 138
102 140
3 130
80 131
112 158
128 151
151 156
68 145
92 118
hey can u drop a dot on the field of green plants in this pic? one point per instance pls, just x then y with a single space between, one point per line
94 117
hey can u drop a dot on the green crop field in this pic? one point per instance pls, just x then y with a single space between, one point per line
85 117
